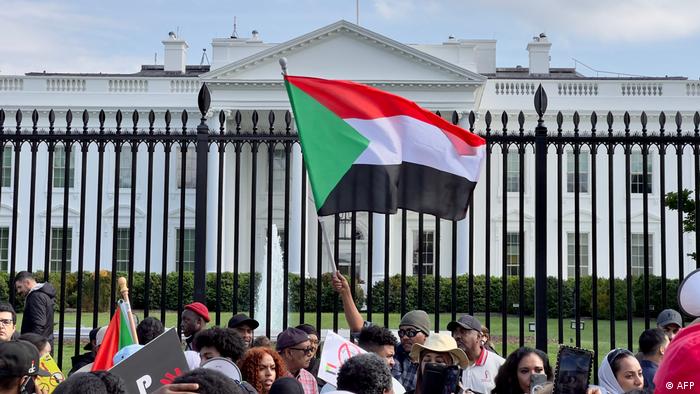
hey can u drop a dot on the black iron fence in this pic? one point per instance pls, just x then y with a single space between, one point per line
568 223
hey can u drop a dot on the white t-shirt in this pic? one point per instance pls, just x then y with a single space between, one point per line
479 377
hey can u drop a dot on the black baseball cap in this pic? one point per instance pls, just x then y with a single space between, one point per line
468 322
93 337
242 318
19 358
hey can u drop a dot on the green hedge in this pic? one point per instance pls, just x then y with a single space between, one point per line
553 300
328 296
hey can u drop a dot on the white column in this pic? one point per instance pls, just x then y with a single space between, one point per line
295 219
378 229
213 208
462 246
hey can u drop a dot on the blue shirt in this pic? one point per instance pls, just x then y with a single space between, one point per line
648 371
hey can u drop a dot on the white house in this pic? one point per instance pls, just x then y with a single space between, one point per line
455 75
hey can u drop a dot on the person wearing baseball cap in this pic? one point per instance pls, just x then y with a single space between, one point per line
19 363
483 365
294 347
244 326
670 321
195 317
84 359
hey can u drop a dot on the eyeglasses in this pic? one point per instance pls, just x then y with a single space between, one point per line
6 322
307 351
408 333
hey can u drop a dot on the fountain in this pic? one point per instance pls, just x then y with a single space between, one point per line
276 284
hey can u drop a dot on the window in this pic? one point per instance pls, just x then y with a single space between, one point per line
56 245
427 257
59 167
6 176
4 242
190 169
513 173
637 173
637 254
513 254
278 169
583 170
188 249
345 263
123 249
125 167
571 254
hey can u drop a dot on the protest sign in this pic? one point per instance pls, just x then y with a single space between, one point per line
48 383
335 351
156 364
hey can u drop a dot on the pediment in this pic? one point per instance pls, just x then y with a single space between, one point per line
344 50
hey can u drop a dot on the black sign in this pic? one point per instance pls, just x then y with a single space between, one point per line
157 364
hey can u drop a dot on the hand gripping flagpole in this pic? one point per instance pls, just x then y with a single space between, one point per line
326 240
124 291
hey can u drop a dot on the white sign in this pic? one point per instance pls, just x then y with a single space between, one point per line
335 351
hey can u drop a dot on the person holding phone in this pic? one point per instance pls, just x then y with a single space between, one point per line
620 372
438 349
516 373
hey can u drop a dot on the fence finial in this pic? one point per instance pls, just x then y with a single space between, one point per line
540 104
204 100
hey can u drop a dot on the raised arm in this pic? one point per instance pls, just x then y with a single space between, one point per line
352 315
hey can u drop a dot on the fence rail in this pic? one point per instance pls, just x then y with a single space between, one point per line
248 180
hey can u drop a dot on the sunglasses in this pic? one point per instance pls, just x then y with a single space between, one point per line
307 351
618 353
408 333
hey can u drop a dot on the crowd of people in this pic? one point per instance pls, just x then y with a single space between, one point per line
419 361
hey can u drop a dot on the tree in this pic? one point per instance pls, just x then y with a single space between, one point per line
687 206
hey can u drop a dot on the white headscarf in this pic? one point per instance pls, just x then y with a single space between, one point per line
607 378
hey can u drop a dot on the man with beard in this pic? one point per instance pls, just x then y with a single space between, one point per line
38 305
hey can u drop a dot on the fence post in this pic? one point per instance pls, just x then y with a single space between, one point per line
200 240
541 222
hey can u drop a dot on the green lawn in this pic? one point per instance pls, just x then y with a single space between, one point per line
394 318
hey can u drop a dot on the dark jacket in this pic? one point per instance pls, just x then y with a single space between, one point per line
81 360
38 311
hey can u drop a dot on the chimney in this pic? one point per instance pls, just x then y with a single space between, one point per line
175 53
539 54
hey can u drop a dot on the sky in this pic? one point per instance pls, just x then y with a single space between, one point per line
634 37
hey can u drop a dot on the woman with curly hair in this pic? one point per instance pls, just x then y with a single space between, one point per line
514 375
260 367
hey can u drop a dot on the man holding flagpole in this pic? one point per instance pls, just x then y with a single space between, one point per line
121 332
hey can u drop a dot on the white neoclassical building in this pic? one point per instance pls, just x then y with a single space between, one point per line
455 75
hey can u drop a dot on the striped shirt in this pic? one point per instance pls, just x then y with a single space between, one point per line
307 380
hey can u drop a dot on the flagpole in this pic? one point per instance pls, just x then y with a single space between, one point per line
124 291
327 244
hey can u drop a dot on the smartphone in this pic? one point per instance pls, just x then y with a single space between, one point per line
573 370
440 379
537 382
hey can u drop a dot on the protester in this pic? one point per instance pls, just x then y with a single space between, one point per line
315 362
379 340
126 352
219 342
486 340
8 321
413 328
192 358
19 363
261 367
244 326
670 321
437 349
209 381
681 363
262 341
365 374
84 359
40 343
38 305
652 346
195 317
98 382
294 347
149 329
483 364
514 375
286 385
620 372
